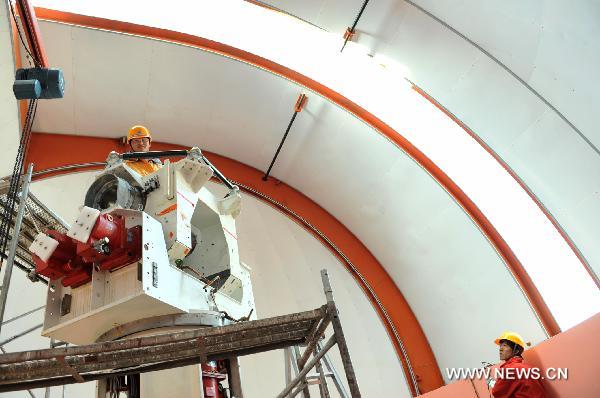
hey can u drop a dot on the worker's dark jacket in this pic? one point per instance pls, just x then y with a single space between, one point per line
517 383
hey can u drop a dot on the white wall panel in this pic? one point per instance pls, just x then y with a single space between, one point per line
509 30
499 110
567 60
59 113
549 44
544 155
97 73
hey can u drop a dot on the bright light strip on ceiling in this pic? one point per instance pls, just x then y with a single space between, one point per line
568 290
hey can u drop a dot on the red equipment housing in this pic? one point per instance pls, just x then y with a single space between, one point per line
110 246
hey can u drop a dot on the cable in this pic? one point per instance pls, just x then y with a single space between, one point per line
14 183
14 15
23 315
28 210
15 180
11 193
351 30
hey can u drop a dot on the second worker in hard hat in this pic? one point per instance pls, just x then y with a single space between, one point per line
140 140
521 381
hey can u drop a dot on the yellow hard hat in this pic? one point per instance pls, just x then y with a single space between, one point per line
138 132
511 336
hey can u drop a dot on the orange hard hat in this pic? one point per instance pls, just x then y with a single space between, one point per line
511 336
138 132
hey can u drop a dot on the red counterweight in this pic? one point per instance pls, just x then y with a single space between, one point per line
110 246
59 264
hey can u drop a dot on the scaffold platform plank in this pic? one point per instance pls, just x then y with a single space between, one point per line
65 365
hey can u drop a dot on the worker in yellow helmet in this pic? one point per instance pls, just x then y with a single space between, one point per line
139 139
517 379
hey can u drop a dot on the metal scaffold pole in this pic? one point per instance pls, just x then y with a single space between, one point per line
340 338
303 364
14 242
135 355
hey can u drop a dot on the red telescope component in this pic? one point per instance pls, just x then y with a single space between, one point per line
110 246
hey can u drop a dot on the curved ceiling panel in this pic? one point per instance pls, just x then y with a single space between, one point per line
382 92
522 278
520 74
543 47
423 239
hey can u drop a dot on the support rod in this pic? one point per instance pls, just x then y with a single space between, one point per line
153 154
23 333
297 391
312 344
330 343
175 152
14 242
219 175
336 378
350 31
47 391
23 314
322 381
341 339
297 109
235 378
304 382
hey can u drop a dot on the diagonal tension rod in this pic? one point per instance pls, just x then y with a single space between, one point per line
297 109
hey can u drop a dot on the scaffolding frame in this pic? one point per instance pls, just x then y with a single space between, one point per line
77 364
14 241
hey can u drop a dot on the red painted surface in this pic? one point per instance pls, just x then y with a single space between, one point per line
73 260
576 349
459 389
167 210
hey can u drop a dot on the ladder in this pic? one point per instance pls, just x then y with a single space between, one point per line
292 354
